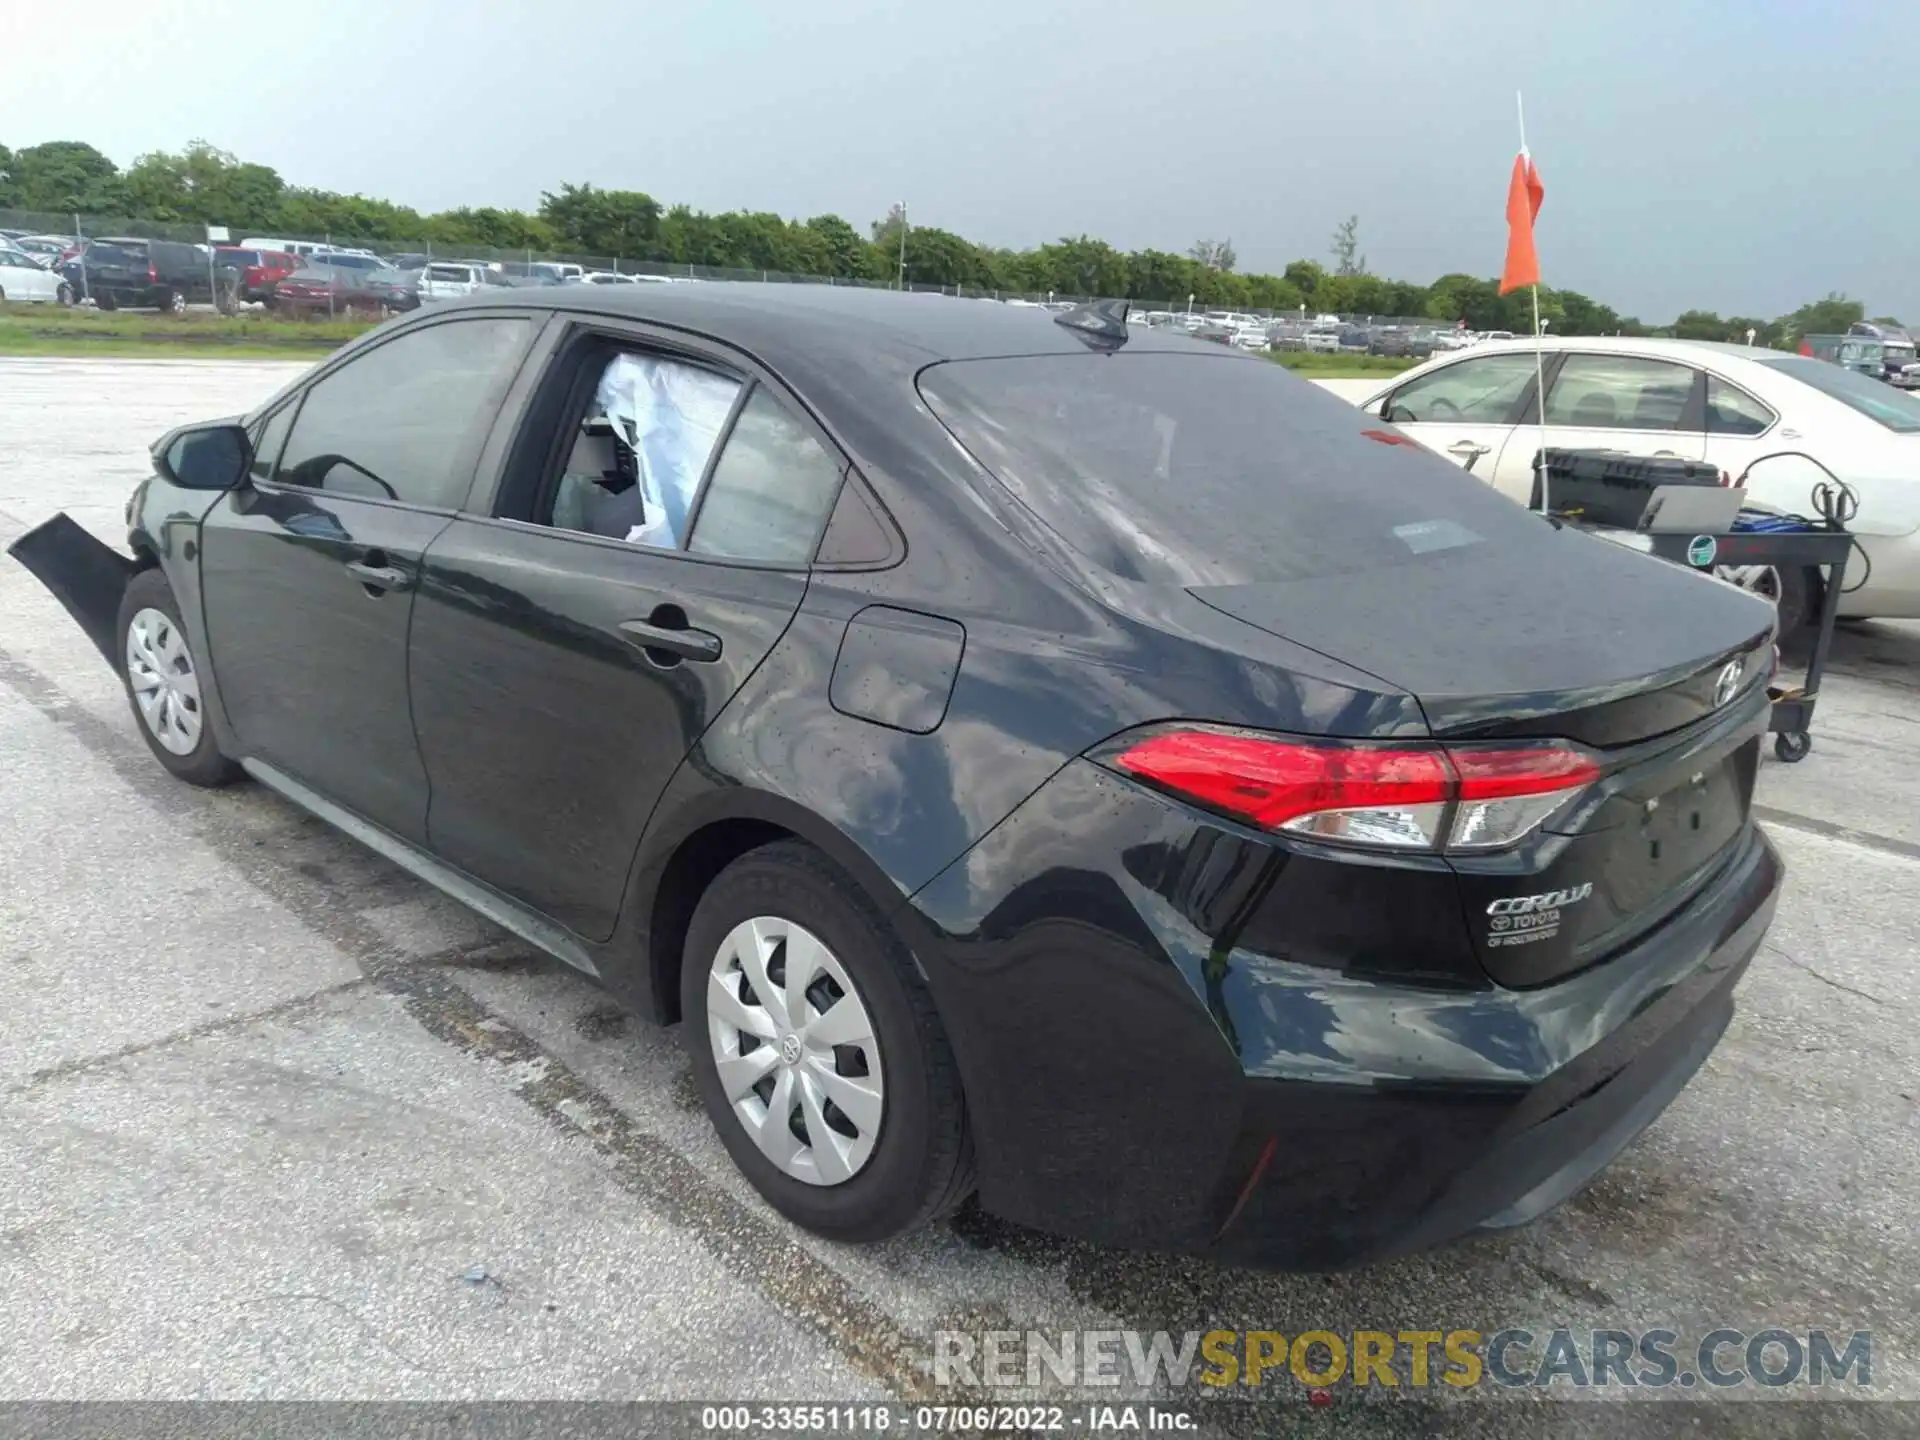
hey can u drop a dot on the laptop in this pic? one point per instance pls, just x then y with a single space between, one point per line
1691 509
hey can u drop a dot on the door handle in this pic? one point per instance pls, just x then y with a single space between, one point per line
1467 451
688 644
379 577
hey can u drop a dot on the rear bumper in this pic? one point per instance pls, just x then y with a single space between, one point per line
1137 1076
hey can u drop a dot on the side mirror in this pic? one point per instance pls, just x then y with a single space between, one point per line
214 457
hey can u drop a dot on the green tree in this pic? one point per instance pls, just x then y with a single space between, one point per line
6 177
1306 277
1582 316
345 218
1345 248
846 254
490 229
1830 316
602 222
1699 325
204 186
66 177
1159 276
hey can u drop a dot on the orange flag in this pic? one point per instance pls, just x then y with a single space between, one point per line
1524 194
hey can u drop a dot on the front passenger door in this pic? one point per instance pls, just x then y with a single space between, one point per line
308 570
1466 410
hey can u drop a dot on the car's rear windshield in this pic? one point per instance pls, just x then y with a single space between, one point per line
1873 398
1182 468
116 254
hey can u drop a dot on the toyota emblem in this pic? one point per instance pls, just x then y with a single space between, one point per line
1728 685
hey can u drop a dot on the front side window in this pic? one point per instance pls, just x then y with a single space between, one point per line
1481 391
771 489
1619 392
1731 411
395 423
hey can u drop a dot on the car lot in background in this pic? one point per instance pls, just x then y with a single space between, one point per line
366 1095
1723 404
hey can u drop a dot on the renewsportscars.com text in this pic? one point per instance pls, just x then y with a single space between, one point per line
1414 1359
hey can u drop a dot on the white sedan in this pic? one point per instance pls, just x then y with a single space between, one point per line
23 280
1729 406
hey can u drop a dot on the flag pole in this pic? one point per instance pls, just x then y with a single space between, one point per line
1539 349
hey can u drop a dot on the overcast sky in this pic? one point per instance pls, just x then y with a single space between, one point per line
1737 155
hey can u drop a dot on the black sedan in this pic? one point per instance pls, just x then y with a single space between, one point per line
1033 755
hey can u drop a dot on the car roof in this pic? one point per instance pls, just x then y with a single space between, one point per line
836 328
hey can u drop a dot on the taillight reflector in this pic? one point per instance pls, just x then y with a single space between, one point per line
1464 798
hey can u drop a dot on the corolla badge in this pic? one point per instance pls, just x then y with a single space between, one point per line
1728 684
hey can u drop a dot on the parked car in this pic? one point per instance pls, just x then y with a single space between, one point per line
316 289
259 271
49 250
606 277
364 261
450 279
1391 341
396 290
24 280
1322 340
866 770
1897 355
301 248
1250 336
1727 405
1355 340
121 272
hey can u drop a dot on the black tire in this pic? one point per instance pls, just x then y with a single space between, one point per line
921 1167
1792 746
204 765
109 302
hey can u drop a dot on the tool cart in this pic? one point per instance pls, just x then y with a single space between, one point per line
1692 514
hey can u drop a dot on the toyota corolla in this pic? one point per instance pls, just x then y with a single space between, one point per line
1031 756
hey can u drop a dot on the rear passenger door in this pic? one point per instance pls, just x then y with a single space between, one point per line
645 547
1634 404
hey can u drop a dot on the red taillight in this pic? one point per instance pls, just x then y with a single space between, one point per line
1464 798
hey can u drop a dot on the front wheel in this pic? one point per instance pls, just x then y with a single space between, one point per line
818 1053
162 676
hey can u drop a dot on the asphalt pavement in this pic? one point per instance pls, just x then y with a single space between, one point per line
278 1122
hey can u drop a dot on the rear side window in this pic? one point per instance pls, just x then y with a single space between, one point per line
1186 469
1619 392
458 273
395 423
1481 391
770 492
1731 411
1875 399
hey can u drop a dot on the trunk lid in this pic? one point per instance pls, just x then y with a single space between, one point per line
1660 672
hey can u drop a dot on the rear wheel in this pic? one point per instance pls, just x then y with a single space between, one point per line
162 676
818 1053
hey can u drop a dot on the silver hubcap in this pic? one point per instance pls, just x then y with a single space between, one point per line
166 687
795 1050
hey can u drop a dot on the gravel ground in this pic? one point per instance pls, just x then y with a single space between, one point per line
277 1122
